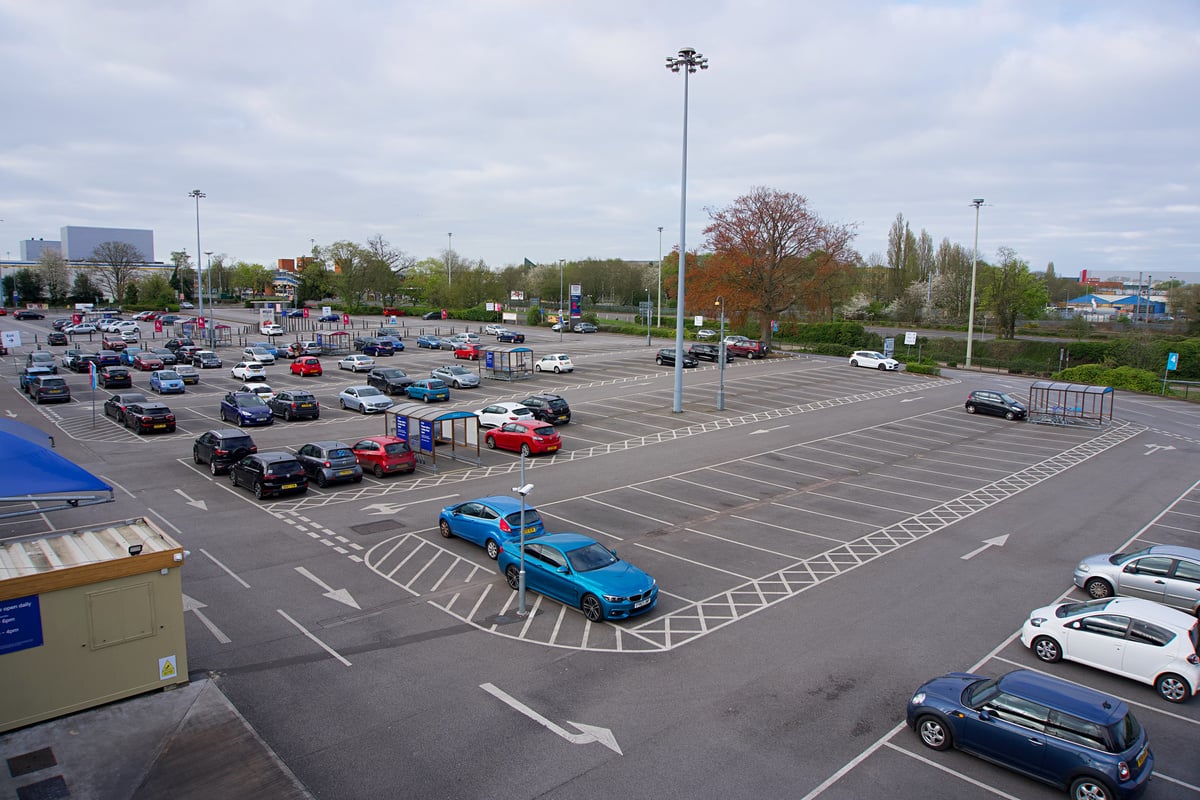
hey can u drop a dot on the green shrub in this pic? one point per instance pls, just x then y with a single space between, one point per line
923 369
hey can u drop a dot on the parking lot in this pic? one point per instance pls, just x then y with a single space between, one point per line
822 545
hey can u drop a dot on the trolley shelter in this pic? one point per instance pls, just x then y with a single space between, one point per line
1056 403
506 363
334 343
425 427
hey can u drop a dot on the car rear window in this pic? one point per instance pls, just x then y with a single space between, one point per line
341 452
1125 732
53 382
532 517
237 443
284 468
302 397
546 430
399 448
558 404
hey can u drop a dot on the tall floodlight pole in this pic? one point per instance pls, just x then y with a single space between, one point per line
688 61
523 490
207 288
449 250
561 323
660 230
721 358
974 263
197 194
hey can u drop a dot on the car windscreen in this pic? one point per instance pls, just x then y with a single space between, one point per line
247 400
593 556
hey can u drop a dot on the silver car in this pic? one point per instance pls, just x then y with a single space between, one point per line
1164 573
364 399
457 376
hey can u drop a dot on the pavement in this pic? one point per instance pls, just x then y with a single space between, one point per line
185 743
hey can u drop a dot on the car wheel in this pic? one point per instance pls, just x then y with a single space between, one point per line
492 548
1098 588
525 450
444 528
1010 416
970 408
258 490
287 415
512 576
233 477
933 732
1047 649
196 456
557 370
362 409
658 360
1172 687
425 398
213 468
322 481
378 470
538 368
1089 788
490 441
854 362
342 403
591 608
882 367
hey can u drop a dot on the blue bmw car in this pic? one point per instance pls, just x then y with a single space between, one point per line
490 522
166 381
430 341
581 573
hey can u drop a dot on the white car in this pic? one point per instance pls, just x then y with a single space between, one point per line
1129 636
130 337
260 389
873 360
705 333
735 338
125 325
364 399
357 363
467 338
497 414
492 329
270 329
259 354
556 362
249 371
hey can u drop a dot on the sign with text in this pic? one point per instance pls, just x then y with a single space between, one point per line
20 624
402 426
426 436
910 338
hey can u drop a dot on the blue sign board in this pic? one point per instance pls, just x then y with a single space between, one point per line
402 426
426 436
20 624
1172 361
490 360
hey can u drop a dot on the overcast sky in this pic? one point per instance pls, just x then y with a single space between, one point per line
552 130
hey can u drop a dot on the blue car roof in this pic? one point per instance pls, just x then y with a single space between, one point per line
1065 696
501 502
568 541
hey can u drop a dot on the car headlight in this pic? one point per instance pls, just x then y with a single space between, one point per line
611 598
1036 621
1083 567
918 699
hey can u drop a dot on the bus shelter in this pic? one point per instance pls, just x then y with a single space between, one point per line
425 427
506 363
1055 403
334 343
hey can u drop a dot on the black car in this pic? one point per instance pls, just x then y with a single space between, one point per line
221 448
374 347
49 388
295 404
708 352
550 408
269 474
82 362
57 338
432 315
168 356
28 313
174 344
149 417
510 336
329 462
115 378
997 403
206 359
666 357
116 404
389 380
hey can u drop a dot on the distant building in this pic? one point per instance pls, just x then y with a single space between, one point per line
32 249
79 242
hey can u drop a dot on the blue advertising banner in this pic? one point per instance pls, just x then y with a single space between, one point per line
576 300
490 360
426 436
20 624
402 426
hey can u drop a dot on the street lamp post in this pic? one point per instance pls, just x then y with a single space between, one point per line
197 194
449 250
688 61
660 230
561 323
721 358
523 490
649 317
206 287
974 262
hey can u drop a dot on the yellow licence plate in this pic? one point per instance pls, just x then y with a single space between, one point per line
289 486
161 425
1141 759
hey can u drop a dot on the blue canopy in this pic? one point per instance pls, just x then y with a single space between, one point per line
32 473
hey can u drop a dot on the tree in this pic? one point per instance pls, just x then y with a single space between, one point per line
83 290
315 283
29 285
771 253
183 277
115 263
56 274
155 290
1010 291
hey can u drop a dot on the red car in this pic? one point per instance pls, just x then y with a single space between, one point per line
468 351
384 455
526 436
306 365
147 361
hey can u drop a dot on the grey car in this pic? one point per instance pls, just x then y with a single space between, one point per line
329 462
1164 573
456 376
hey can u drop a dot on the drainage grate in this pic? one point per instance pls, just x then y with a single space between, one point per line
370 528
31 762
50 789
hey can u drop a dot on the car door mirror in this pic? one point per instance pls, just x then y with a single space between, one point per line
985 715
562 570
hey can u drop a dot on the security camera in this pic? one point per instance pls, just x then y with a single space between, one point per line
524 490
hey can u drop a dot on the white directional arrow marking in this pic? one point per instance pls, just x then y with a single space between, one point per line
586 735
10 413
997 541
384 509
1154 448
911 399
768 430
341 595
193 605
200 504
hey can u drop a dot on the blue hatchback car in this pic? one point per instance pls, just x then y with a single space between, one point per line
246 408
427 389
1053 730
490 522
582 573
166 381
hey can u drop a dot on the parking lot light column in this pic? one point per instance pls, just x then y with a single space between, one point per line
196 194
974 262
660 230
721 357
522 490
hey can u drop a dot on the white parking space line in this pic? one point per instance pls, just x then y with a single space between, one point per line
314 639
693 562
592 499
575 525
826 463
669 498
975 465
749 546
871 446
828 516
814 493
890 491
948 771
707 486
792 530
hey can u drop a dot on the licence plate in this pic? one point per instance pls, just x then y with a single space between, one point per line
530 529
345 472
1141 759
643 602
160 425
551 448
306 405
289 486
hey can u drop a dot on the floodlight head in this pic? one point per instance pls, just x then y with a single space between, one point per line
977 202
